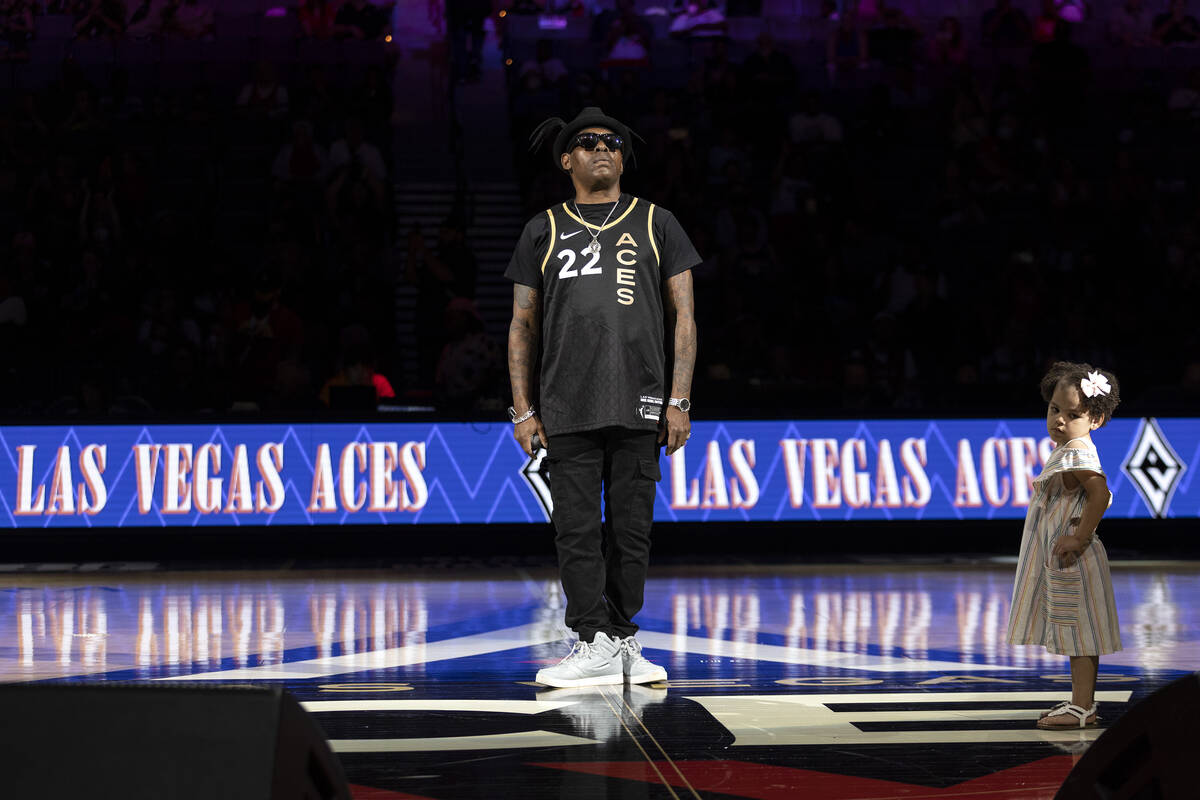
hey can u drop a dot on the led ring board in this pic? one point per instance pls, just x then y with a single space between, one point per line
436 472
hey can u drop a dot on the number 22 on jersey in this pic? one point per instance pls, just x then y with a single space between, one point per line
624 276
568 258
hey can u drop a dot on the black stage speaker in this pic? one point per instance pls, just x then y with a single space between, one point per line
162 741
1151 753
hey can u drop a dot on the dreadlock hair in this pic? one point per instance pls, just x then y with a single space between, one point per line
1099 406
545 133
554 131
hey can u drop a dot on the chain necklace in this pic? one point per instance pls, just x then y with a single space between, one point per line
594 245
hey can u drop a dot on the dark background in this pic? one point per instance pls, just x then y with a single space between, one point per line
243 210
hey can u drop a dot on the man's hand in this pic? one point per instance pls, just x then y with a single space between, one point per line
523 432
675 428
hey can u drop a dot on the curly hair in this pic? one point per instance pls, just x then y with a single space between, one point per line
1100 406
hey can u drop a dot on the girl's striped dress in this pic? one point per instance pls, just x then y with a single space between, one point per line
1068 610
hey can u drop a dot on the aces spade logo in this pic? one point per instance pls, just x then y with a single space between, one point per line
1154 468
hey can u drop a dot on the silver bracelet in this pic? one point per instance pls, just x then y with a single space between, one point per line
518 420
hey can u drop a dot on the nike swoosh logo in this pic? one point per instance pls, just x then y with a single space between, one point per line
567 235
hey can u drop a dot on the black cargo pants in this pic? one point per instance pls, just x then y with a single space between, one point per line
603 566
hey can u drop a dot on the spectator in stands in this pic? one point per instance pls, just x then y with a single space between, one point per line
1176 26
1046 23
606 17
890 363
544 71
12 307
627 43
85 116
846 47
767 73
12 196
99 18
923 322
1184 101
356 366
439 276
1005 25
317 18
654 122
264 97
358 19
894 41
948 47
464 19
267 331
810 123
1061 69
1130 24
454 251
470 375
16 30
131 189
354 150
145 20
738 224
317 99
356 198
721 88
728 160
302 159
187 19
372 100
99 222
699 19
119 104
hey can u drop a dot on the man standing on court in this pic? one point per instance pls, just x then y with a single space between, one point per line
602 286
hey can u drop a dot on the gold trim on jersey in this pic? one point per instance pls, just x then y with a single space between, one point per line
550 245
597 228
650 231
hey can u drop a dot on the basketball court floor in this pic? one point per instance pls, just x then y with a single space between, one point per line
833 682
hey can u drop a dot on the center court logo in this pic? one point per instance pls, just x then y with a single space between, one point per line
1154 467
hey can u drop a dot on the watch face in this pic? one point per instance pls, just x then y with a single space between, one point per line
684 405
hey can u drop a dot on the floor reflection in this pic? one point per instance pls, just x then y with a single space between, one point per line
183 625
835 682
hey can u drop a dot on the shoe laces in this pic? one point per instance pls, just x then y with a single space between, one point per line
581 649
632 646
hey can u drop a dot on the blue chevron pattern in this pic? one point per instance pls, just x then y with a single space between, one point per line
471 473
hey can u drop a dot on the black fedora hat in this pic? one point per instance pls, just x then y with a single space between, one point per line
590 117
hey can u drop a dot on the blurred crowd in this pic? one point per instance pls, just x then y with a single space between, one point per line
195 249
188 19
902 215
914 217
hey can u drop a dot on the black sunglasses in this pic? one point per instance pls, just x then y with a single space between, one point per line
588 141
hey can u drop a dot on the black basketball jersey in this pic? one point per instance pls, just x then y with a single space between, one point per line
603 359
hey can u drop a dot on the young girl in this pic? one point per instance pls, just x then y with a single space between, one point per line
1063 597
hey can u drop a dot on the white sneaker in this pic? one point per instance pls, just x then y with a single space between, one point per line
598 663
636 667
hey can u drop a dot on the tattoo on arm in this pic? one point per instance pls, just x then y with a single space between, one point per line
680 309
524 334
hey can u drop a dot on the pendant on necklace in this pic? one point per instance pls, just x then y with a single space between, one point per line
593 247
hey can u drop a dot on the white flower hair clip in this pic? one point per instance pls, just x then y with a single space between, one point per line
1095 384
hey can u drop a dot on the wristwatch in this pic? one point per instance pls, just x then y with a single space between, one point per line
682 403
519 418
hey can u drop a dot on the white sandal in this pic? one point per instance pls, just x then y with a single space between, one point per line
1054 709
1066 709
